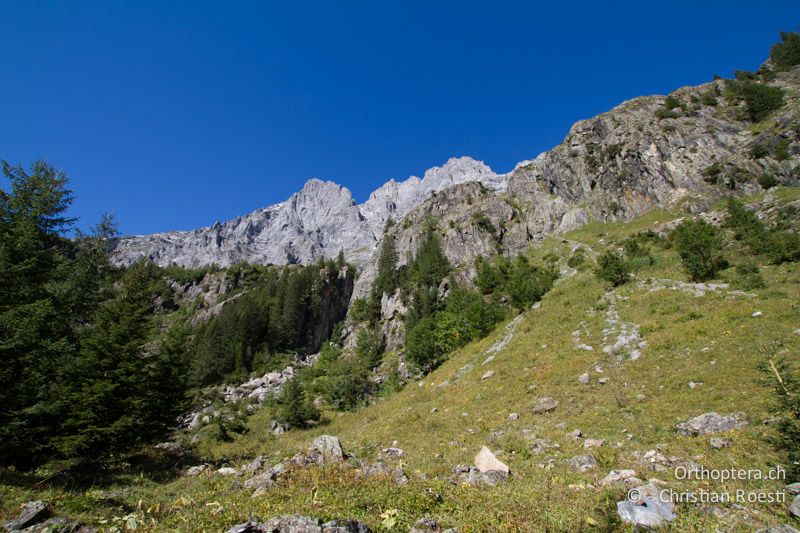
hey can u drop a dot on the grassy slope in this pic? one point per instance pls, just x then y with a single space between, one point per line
638 408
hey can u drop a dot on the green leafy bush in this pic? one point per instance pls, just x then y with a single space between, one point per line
767 181
787 52
760 100
699 245
612 268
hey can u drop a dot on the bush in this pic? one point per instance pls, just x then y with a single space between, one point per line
346 384
758 150
421 347
699 244
748 277
767 181
787 52
365 309
369 346
577 258
612 268
784 379
760 100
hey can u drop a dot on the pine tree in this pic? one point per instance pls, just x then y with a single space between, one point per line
120 392
294 408
430 265
34 327
387 279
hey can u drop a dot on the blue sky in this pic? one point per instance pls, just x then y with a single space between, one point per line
173 115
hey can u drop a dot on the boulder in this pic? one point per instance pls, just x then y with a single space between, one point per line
486 461
645 507
329 448
583 462
30 514
195 471
300 524
793 488
545 405
709 423
593 443
785 528
794 508
583 379
718 443
393 452
227 471
620 476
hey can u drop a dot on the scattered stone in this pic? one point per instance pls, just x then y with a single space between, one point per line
227 471
329 449
30 514
785 528
709 423
584 378
300 524
645 507
276 428
513 416
693 384
485 461
172 448
718 443
427 525
472 476
381 469
793 488
584 347
794 508
195 471
593 443
488 374
252 468
603 380
757 314
576 434
434 410
620 476
265 480
393 452
544 405
583 462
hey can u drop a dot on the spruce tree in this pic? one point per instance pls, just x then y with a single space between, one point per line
34 326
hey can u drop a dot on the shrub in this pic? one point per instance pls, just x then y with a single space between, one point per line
759 150
365 309
767 181
748 277
784 379
421 347
369 346
613 268
577 258
760 100
346 384
787 52
781 150
699 244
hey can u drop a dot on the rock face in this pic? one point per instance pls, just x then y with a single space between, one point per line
614 166
709 423
395 200
319 221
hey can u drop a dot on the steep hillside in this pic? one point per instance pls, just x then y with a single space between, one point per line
622 366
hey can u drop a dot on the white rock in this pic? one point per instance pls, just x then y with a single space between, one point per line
485 461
